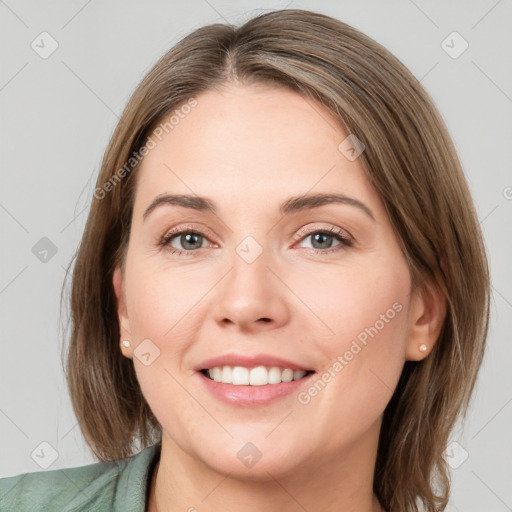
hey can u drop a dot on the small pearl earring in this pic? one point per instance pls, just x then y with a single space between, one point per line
125 343
423 347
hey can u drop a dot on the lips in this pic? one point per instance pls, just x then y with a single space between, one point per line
243 380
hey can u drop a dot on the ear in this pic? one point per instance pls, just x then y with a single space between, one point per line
122 314
427 315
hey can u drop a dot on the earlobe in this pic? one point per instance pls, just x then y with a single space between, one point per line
427 316
122 315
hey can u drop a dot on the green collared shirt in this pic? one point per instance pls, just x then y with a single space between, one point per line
122 485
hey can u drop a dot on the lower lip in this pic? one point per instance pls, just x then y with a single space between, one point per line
250 396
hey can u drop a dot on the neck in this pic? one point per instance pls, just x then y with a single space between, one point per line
342 482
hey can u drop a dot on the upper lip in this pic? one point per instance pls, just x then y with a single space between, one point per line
249 362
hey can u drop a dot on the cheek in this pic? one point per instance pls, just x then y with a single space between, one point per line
162 301
161 309
364 318
356 303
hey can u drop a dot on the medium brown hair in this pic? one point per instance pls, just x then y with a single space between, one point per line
409 158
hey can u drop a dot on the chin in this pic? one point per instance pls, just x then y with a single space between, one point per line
258 460
265 469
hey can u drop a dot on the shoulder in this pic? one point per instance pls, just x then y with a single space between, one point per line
117 485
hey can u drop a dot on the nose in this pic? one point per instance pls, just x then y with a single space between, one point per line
252 296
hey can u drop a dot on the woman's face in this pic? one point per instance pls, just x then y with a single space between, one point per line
267 280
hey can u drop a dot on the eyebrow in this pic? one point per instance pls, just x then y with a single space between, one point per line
293 204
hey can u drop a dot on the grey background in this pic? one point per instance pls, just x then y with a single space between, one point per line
58 114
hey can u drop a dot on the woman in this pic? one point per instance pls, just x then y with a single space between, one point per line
281 292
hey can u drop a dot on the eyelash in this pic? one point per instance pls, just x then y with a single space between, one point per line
337 233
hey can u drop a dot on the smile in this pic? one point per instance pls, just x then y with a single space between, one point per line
256 376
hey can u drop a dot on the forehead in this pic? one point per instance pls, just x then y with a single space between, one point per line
259 142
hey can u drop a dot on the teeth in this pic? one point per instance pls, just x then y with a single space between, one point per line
274 375
227 375
240 376
258 376
287 375
217 374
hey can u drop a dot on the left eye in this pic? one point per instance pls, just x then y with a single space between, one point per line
322 239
